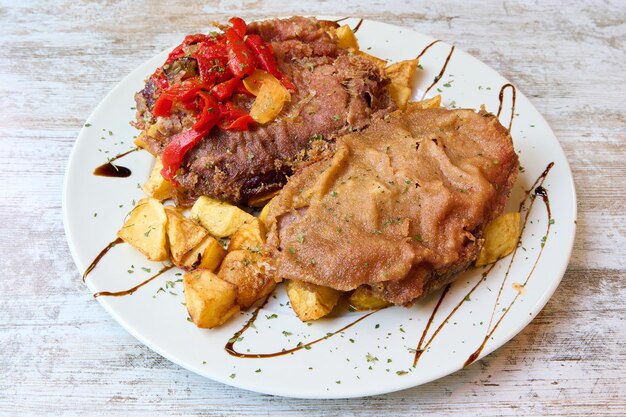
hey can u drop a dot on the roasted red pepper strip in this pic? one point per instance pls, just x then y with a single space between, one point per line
265 56
182 143
240 61
241 123
239 25
233 118
224 91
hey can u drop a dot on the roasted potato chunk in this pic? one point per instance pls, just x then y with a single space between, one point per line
264 211
219 218
157 186
263 199
207 255
183 234
346 38
245 270
145 229
501 237
140 142
310 301
209 300
429 103
250 236
401 76
364 299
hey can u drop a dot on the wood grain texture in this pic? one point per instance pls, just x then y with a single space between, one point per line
60 352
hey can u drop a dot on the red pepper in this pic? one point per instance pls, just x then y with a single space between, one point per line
178 51
184 92
182 143
224 91
240 60
265 55
239 25
233 118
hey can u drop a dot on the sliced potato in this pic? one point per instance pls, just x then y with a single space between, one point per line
245 270
270 94
250 236
364 299
346 38
209 300
310 301
157 186
140 142
380 63
263 199
501 237
183 234
207 255
264 211
401 76
429 103
402 72
145 229
219 218
400 94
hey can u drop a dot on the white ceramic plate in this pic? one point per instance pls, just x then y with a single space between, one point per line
376 355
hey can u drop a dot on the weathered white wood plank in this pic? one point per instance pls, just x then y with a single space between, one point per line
61 354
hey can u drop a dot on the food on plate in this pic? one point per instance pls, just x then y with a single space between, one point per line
310 301
145 229
401 75
207 255
400 207
501 237
210 301
264 211
217 139
250 236
246 270
363 298
182 234
157 186
219 218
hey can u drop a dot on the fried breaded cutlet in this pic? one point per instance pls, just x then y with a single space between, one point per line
399 207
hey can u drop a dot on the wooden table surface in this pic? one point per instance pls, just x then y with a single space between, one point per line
62 354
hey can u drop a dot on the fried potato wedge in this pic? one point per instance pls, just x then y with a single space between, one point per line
207 255
364 299
145 229
209 300
501 237
140 142
219 218
264 211
310 301
429 103
262 200
270 94
182 234
380 63
157 186
246 271
401 76
346 38
400 94
250 236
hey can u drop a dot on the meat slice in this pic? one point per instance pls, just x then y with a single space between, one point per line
337 92
400 206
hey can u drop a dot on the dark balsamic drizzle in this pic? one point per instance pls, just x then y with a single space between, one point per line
427 48
104 251
108 169
538 190
341 20
230 346
420 349
501 97
443 70
135 288
358 25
